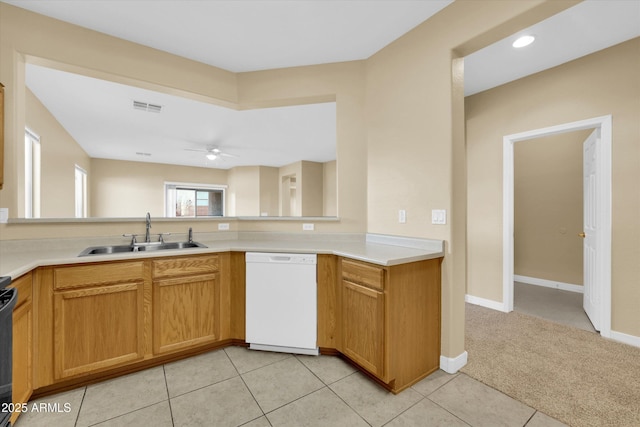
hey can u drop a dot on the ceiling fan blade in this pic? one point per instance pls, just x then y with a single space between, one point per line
196 149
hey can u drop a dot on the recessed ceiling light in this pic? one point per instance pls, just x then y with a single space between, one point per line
523 41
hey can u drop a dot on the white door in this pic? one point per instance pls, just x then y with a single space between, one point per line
592 294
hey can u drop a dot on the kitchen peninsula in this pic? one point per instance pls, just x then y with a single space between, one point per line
97 317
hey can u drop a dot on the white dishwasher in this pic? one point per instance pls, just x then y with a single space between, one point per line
281 302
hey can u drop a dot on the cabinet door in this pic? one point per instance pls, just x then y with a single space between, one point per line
22 379
363 326
186 312
97 328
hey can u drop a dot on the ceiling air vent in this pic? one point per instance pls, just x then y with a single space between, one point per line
143 106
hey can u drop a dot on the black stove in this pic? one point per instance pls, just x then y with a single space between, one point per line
8 299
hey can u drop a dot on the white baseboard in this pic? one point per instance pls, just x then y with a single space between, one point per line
494 305
623 338
451 365
548 283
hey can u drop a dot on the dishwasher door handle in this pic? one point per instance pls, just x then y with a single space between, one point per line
280 258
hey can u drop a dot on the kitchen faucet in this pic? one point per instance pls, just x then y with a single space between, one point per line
147 236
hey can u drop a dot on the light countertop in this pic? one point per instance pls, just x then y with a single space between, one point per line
19 257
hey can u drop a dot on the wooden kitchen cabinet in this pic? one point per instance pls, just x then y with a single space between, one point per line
98 313
363 326
390 324
186 302
22 364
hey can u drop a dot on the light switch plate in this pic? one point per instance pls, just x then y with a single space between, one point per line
439 216
402 216
308 227
4 215
223 226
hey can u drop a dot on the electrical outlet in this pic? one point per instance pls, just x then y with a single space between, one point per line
402 216
223 226
308 227
4 215
439 216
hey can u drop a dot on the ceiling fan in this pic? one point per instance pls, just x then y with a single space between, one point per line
212 153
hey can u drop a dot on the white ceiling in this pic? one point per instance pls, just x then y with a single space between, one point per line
100 116
588 27
264 34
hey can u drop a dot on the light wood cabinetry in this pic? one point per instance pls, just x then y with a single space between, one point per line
363 327
98 317
103 319
390 319
186 303
22 364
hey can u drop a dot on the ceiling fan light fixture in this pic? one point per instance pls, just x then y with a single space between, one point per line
523 41
212 156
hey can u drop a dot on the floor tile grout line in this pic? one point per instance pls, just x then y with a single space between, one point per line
84 393
448 411
456 375
296 399
530 418
230 360
345 402
204 386
268 364
126 413
422 398
166 384
252 395
453 377
309 369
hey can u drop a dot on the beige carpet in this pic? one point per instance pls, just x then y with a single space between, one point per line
575 376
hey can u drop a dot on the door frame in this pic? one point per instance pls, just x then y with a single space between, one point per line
603 202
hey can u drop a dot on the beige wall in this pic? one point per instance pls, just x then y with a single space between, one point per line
415 130
244 191
603 83
311 189
330 189
60 153
548 207
131 189
269 191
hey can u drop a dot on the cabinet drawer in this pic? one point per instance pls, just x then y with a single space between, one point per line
97 274
23 285
184 266
363 274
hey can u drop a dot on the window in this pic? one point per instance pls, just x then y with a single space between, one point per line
31 174
81 192
194 200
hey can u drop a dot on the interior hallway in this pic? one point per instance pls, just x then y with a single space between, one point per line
551 304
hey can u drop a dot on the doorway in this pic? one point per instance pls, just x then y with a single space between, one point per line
597 280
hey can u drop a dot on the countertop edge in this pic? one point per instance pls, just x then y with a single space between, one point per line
374 253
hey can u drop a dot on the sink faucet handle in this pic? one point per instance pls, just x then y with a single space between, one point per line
190 235
161 236
133 238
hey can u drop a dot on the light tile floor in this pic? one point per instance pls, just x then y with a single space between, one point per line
236 386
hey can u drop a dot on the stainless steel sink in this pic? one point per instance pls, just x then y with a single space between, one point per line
169 245
139 247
